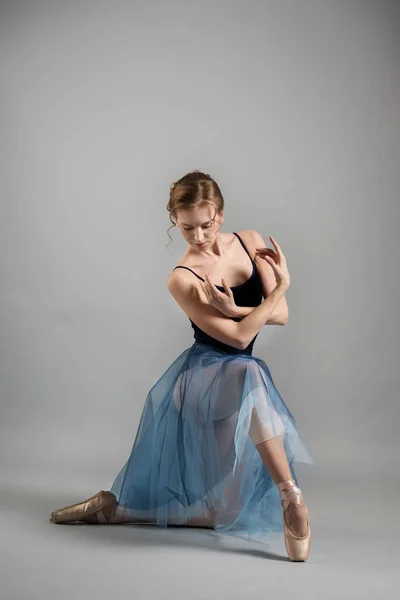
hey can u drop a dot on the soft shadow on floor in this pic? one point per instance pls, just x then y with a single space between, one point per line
37 506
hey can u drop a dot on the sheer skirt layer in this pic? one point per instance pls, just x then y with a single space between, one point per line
195 449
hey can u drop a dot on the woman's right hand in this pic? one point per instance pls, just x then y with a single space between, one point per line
277 260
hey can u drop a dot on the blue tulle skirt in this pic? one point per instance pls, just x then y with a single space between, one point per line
195 448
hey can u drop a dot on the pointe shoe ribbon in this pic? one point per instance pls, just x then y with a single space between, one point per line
298 547
98 509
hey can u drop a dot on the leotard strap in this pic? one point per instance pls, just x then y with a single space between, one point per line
189 269
240 240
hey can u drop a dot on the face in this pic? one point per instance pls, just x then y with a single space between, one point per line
199 225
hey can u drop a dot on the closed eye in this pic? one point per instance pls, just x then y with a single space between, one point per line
203 227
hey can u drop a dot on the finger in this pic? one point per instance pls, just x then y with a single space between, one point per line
211 286
282 257
277 268
208 283
262 251
270 261
265 251
271 254
275 257
275 243
226 288
213 291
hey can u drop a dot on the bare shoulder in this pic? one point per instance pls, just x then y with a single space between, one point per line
182 278
252 239
249 233
186 288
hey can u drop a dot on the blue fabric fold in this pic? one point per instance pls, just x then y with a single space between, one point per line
195 447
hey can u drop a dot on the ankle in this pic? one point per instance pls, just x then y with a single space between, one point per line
289 492
286 485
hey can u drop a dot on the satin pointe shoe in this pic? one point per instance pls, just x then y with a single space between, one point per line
98 509
298 548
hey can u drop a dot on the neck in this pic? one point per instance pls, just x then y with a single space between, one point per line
214 250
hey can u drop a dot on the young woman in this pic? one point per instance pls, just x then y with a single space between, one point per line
216 442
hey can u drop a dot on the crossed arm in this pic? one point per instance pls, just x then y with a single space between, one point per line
279 316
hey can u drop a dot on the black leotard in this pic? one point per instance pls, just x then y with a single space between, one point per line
248 293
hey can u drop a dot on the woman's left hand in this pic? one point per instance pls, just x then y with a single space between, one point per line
223 302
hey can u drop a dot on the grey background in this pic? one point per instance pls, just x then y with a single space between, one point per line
293 107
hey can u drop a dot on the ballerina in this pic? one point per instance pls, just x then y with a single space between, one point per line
216 442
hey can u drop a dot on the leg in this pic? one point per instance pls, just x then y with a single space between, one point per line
267 433
103 509
122 516
272 452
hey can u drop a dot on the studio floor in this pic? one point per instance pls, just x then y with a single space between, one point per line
354 551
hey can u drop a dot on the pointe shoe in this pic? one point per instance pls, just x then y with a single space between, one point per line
298 548
98 509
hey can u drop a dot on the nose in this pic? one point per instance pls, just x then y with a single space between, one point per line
199 237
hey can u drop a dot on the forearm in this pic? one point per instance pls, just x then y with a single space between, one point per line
251 324
279 315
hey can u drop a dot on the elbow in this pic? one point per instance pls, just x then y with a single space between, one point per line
275 320
241 344
285 318
240 341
